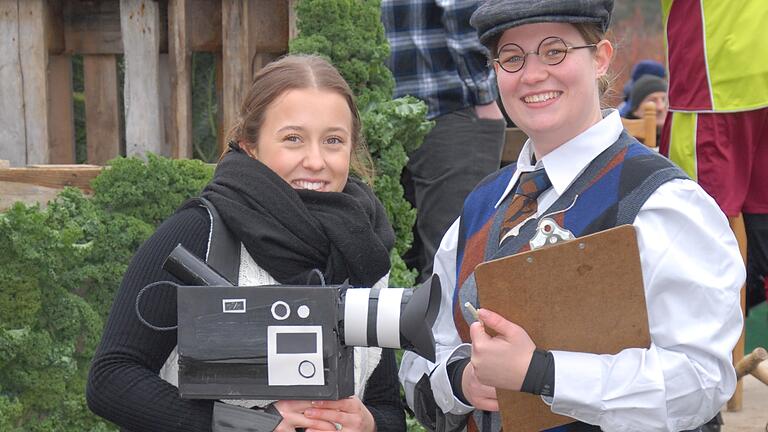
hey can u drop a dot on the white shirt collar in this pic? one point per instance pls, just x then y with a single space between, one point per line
565 163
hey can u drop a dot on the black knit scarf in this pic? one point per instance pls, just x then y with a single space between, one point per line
290 232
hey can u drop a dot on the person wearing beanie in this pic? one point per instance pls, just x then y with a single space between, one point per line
581 168
649 88
641 68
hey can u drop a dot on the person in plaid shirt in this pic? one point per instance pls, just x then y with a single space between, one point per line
436 56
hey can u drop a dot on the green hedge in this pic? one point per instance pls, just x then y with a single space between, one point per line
60 268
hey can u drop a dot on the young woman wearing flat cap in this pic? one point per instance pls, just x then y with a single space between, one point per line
580 167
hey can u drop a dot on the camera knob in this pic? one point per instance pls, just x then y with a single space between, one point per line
307 369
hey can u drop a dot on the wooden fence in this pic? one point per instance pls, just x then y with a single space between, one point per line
157 38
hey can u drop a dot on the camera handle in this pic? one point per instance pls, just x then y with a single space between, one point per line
319 276
138 311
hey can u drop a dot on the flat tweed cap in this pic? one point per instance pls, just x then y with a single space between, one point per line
492 17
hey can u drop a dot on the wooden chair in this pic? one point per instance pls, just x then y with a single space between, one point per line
643 129
514 139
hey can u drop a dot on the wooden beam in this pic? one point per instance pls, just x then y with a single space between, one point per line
61 110
180 127
144 126
267 25
33 52
102 115
204 16
236 59
293 29
222 127
250 30
54 22
54 176
94 27
13 140
737 226
164 93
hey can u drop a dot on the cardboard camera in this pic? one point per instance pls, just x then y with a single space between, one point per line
288 342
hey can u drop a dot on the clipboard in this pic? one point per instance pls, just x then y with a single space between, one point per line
582 295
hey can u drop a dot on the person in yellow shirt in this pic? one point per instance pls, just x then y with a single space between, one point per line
717 127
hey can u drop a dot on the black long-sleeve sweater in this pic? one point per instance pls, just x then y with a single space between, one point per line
123 384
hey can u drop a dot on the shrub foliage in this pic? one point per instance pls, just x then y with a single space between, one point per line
60 268
350 34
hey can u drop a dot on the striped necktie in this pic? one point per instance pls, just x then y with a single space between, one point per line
524 202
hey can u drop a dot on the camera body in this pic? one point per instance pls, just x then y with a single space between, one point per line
288 342
266 342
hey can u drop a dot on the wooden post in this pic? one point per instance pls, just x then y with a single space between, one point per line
13 139
33 51
61 117
737 225
236 59
750 362
180 127
164 92
144 126
222 128
61 110
293 29
253 32
102 116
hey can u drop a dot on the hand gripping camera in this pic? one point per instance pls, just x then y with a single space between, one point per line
288 342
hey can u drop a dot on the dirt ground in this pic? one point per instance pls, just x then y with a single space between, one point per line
754 415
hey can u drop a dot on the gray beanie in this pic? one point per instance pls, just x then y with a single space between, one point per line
492 17
644 86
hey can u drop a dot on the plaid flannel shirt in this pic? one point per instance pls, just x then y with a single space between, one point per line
436 55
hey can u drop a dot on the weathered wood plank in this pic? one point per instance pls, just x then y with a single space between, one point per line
164 92
29 194
13 141
739 231
33 52
61 110
180 127
53 176
144 131
236 59
204 16
93 26
267 24
54 22
293 29
223 128
102 115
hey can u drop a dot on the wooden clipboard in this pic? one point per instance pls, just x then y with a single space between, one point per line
583 295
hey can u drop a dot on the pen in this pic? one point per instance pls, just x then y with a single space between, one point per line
472 310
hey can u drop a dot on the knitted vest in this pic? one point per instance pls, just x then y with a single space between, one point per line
608 193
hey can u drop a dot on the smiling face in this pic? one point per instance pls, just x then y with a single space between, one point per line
659 100
306 139
553 103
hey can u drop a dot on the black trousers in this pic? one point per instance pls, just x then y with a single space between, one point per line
458 152
756 227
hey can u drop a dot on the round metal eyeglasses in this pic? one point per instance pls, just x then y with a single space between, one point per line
552 51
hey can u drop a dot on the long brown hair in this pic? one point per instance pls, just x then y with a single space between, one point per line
298 72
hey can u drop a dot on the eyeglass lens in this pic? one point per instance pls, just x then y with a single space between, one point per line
551 51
